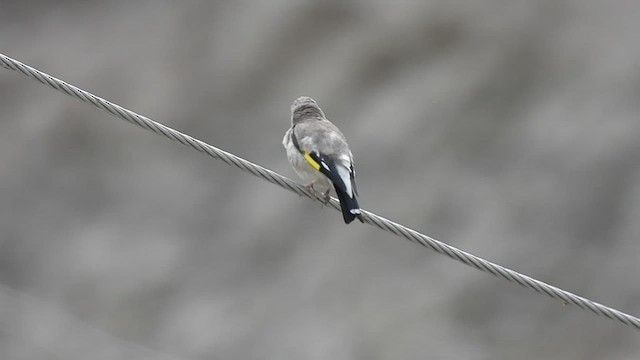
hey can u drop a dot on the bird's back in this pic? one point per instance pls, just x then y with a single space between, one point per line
321 136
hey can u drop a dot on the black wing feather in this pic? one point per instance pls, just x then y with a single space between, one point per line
348 202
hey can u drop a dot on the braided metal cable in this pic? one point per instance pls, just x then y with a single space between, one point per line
275 178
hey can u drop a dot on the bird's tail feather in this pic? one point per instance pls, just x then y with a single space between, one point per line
349 206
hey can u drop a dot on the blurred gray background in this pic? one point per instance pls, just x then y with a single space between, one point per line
509 129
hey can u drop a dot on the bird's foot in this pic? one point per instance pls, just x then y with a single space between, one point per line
309 186
326 196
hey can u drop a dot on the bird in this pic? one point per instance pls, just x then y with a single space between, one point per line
318 152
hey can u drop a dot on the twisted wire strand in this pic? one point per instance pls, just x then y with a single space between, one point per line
370 218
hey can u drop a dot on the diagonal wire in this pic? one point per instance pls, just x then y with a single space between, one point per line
370 218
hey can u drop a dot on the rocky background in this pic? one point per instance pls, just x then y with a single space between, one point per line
510 129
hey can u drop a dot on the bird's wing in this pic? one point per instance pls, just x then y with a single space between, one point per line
325 148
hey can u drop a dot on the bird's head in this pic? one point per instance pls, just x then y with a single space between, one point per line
305 107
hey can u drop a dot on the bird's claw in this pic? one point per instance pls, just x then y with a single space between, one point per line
309 186
326 196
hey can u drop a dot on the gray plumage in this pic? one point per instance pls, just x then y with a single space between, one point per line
311 133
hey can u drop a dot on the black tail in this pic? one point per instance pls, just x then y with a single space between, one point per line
349 206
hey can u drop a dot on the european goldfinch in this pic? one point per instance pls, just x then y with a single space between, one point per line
319 154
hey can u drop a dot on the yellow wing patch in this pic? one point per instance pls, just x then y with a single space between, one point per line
312 162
